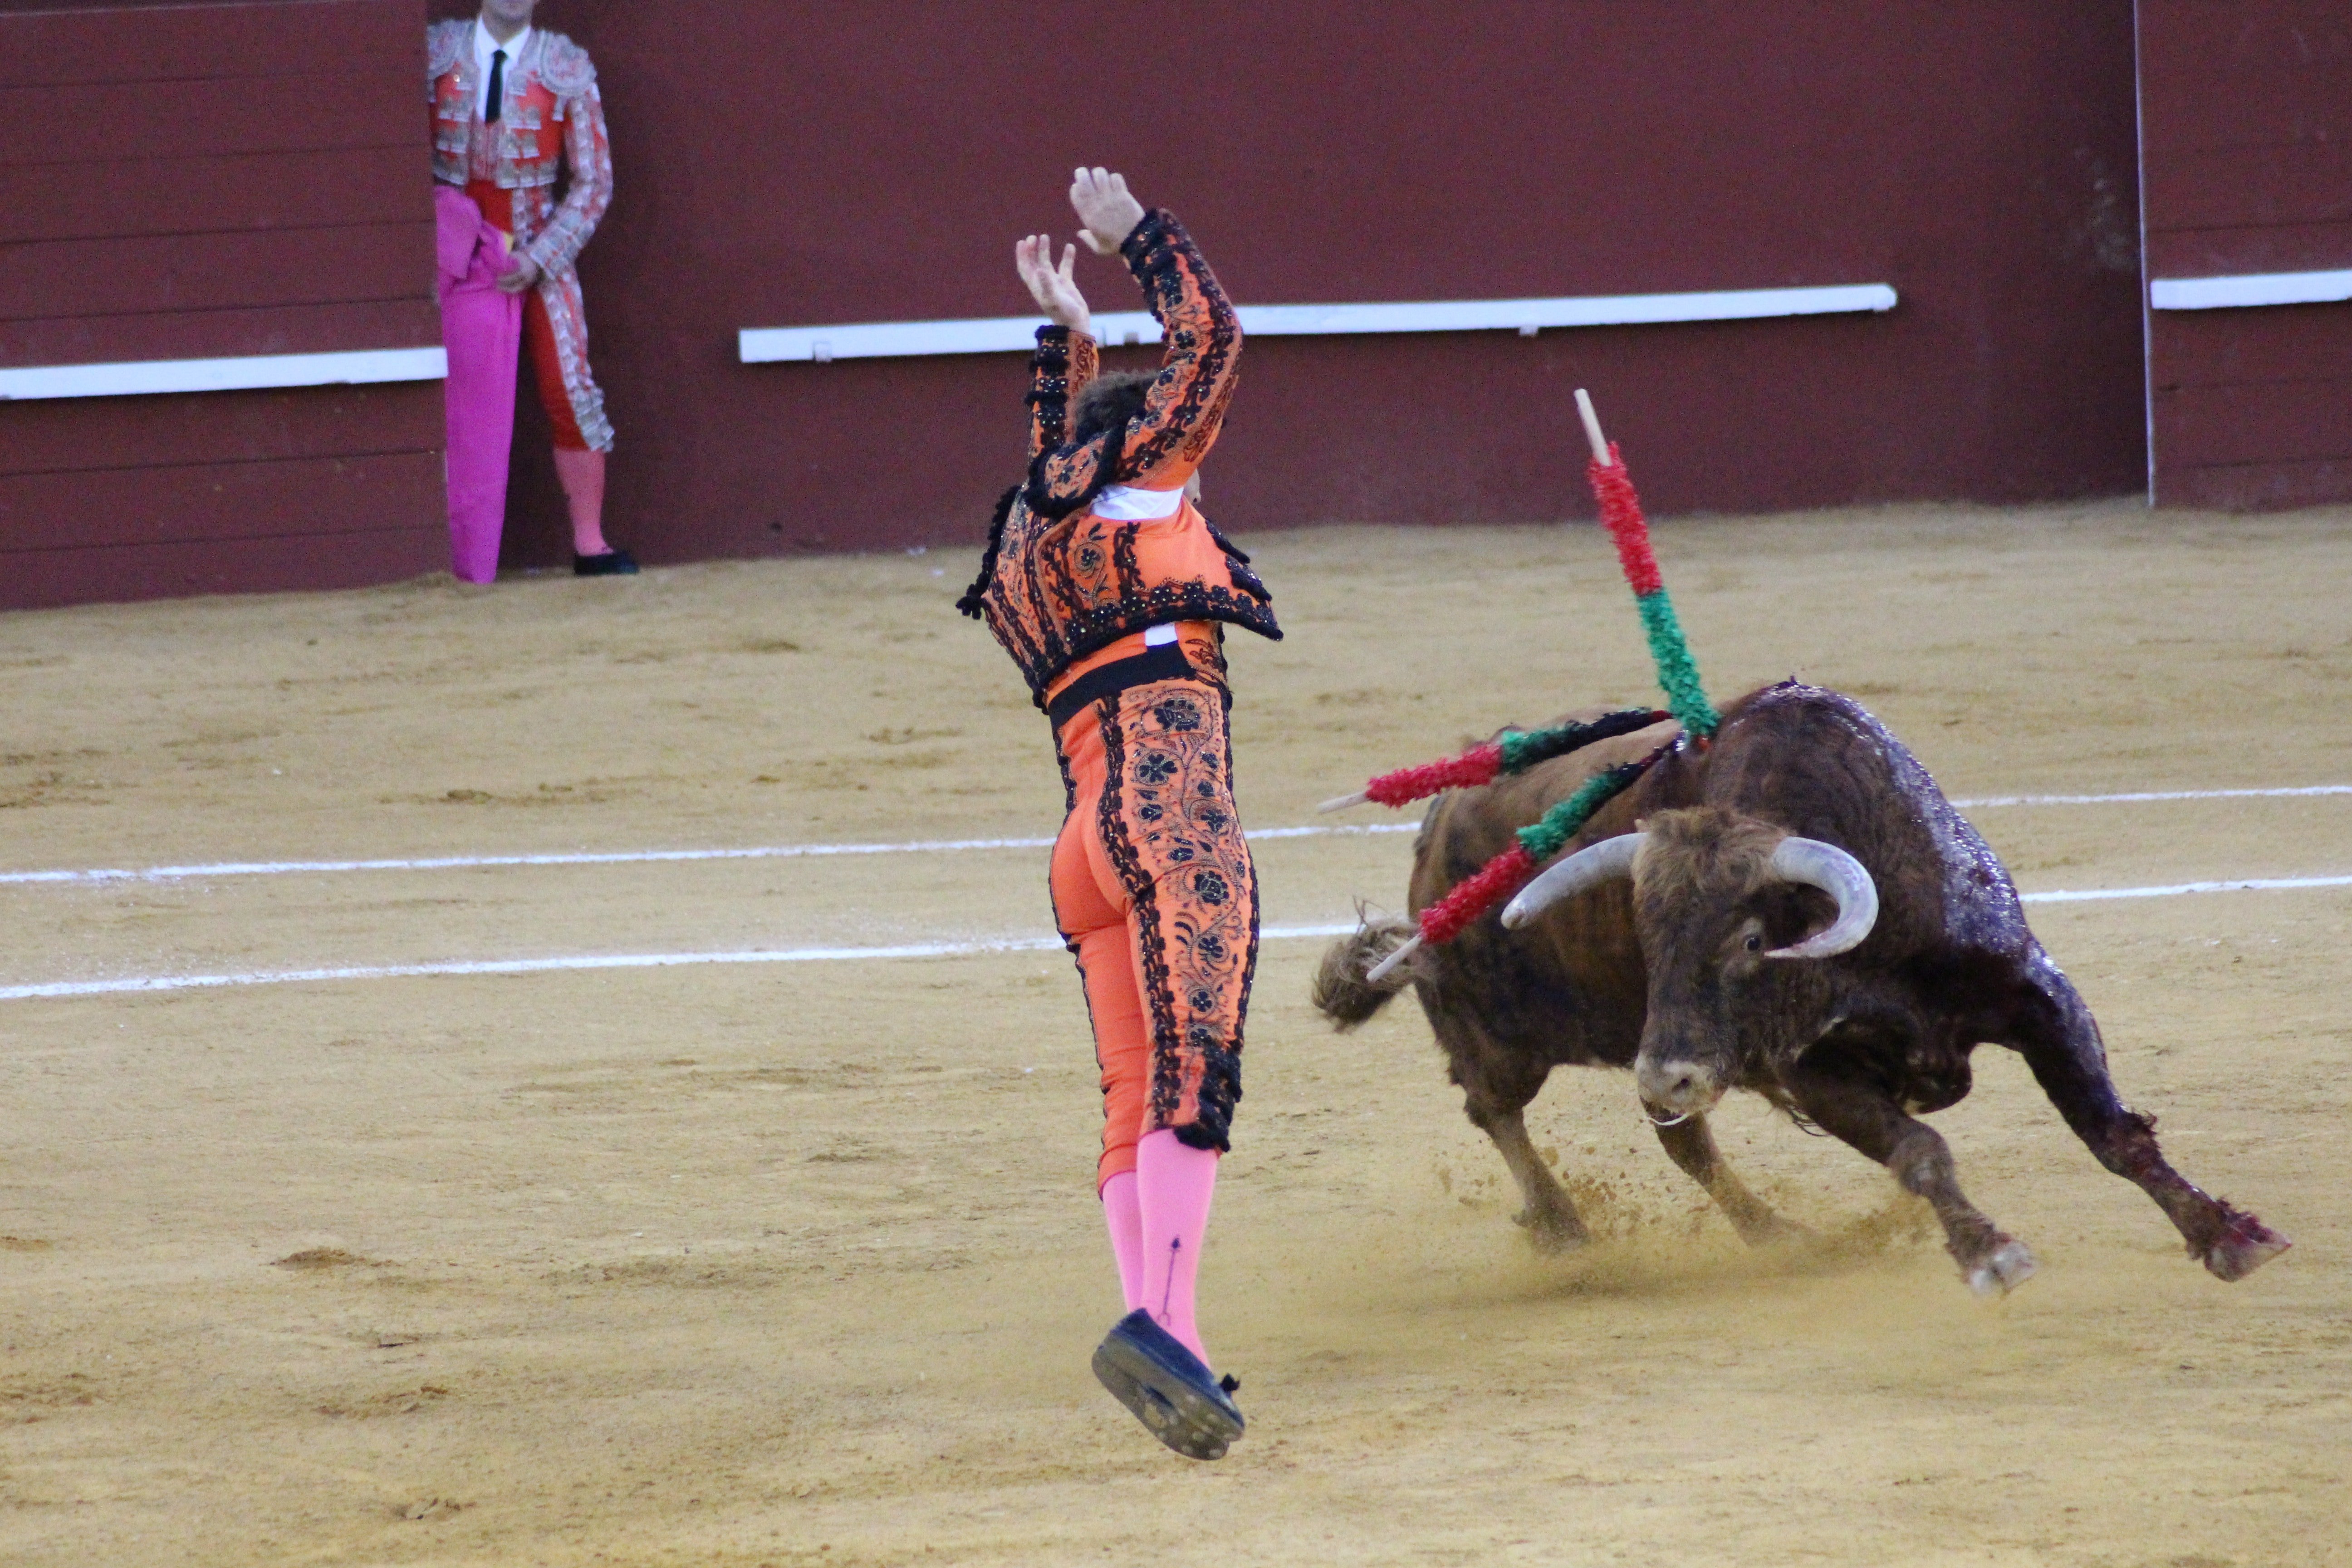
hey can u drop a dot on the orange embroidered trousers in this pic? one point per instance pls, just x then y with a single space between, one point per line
1155 894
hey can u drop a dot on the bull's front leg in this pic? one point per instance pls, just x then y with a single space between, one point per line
2060 1041
1691 1145
1992 1261
1551 1220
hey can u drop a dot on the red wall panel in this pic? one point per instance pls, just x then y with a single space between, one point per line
204 502
168 273
222 194
73 42
204 181
2246 111
84 574
213 334
100 434
875 159
193 119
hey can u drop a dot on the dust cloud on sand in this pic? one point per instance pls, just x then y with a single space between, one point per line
798 1263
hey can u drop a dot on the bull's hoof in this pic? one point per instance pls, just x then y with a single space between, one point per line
1552 1233
1769 1230
2001 1270
2245 1246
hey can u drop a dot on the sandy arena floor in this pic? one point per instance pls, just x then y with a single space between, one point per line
797 1263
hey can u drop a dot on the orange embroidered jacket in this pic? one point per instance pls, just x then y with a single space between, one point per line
1057 582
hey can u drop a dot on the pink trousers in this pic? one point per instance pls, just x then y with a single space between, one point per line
482 329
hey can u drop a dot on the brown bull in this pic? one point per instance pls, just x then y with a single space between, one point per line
1794 909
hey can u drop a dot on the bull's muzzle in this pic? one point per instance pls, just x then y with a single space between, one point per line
1674 1088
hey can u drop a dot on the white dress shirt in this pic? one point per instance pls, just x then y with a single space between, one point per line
1132 503
484 47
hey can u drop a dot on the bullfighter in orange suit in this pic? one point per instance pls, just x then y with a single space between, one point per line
513 106
1111 592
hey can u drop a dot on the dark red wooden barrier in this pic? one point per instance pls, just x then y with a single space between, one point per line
206 182
870 160
2248 139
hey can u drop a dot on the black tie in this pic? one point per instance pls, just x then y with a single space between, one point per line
498 88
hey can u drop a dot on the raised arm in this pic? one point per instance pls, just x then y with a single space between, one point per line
1159 448
1066 358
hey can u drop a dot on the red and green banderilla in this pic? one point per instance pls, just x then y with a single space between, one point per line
1516 750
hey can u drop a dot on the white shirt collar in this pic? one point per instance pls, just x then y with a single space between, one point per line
484 47
1123 503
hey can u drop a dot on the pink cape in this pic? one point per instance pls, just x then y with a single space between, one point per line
482 329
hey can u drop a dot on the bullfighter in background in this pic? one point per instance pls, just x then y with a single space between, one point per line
515 110
1111 592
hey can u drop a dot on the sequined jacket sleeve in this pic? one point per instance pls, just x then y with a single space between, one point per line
1064 361
588 152
1161 446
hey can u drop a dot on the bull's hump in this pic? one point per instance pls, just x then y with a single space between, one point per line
1979 907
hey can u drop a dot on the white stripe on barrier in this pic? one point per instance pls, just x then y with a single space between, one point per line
242 373
2248 288
1006 335
73 988
944 846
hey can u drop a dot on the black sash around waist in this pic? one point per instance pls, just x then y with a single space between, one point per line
1164 662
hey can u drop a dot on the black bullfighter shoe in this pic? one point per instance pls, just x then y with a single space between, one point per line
1181 1403
614 562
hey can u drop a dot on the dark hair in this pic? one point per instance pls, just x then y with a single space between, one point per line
1109 402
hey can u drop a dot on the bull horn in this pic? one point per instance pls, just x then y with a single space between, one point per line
1588 867
1841 876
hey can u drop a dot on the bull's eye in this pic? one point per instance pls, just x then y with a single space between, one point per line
1754 943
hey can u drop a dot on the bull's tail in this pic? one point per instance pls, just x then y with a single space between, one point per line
1341 992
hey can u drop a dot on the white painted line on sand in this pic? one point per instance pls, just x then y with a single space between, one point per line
2175 889
946 845
72 988
615 858
2137 797
607 961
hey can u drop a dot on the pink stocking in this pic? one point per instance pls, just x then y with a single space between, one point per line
582 473
1174 1184
1125 1217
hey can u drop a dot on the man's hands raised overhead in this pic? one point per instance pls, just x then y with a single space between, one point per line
1108 214
1051 286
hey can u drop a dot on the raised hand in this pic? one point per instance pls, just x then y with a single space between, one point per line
1056 293
1108 214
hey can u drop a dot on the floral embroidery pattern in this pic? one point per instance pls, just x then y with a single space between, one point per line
515 173
1167 820
1058 583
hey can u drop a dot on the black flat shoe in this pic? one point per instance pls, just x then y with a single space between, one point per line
611 563
1178 1400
